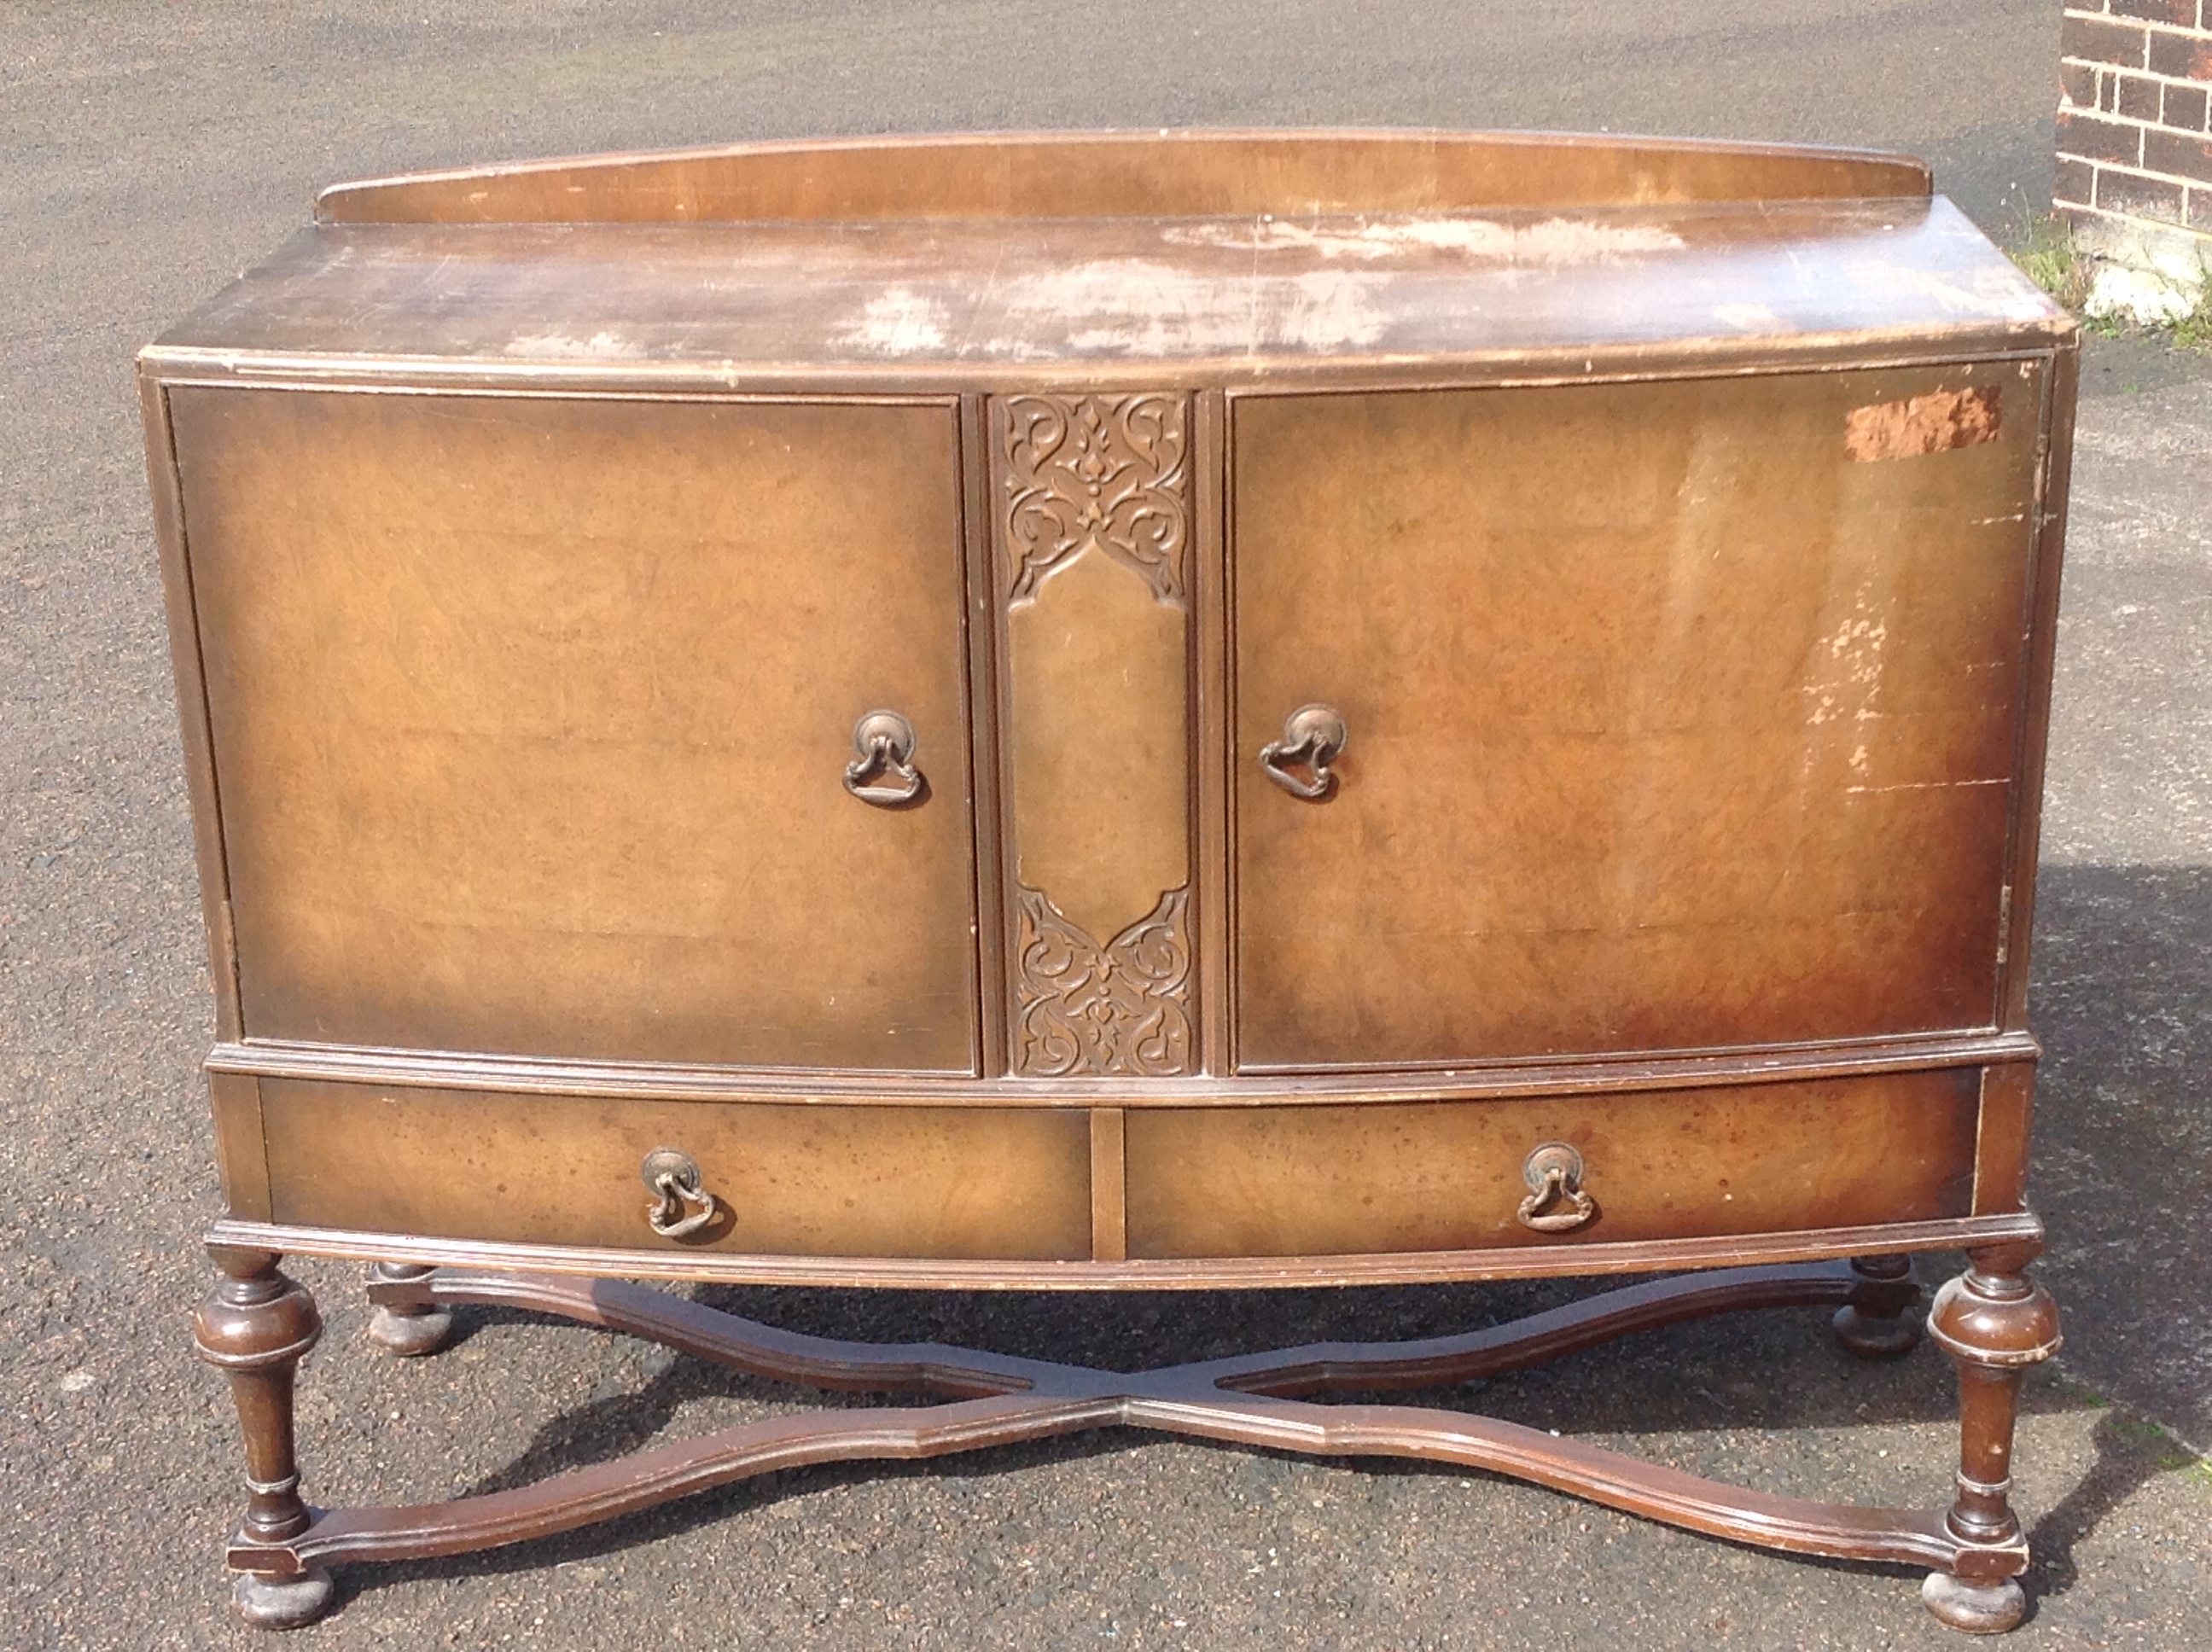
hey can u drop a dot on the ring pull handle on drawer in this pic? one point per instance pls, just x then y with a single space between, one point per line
885 741
1556 1202
1313 736
675 1178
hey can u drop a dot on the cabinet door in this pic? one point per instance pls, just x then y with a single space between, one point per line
531 719
1679 714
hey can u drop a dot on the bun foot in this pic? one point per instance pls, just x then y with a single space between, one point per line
410 1333
1873 1338
281 1602
412 1329
1977 1608
1878 1322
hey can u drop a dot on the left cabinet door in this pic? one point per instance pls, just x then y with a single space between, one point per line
530 718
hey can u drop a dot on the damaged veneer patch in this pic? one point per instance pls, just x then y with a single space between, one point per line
1553 240
1934 424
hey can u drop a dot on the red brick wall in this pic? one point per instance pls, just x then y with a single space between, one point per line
2135 111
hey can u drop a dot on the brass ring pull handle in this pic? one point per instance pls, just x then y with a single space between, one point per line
1556 1202
1313 736
675 1178
885 741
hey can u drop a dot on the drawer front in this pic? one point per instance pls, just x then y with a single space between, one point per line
531 719
1680 715
1335 1181
791 1180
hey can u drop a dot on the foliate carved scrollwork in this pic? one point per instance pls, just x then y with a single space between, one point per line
1121 1009
1109 471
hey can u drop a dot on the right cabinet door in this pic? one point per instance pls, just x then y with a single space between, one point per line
1676 715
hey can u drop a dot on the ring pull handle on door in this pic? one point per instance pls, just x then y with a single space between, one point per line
885 741
1313 738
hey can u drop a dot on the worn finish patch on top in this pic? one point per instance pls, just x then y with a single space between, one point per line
1934 424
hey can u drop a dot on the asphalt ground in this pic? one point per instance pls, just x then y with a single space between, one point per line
151 152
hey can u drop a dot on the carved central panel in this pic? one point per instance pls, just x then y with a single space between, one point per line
1093 537
1105 471
1122 1008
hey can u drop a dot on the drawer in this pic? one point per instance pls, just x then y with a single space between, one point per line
1313 1181
793 1179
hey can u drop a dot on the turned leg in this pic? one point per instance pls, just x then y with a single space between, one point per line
414 1330
256 1326
1876 1323
1994 1323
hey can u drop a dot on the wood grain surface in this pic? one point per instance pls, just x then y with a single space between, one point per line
1672 724
1004 1184
1105 174
1316 1180
530 718
1086 305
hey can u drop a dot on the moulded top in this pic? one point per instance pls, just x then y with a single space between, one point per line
926 262
932 307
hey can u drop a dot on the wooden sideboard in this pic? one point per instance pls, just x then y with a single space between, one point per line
1122 711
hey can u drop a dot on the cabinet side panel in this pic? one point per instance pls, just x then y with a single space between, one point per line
191 698
533 715
2042 628
2001 1145
241 1153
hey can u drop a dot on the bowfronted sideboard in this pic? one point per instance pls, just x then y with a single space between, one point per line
1122 711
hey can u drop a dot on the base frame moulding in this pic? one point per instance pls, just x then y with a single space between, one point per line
1992 1321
